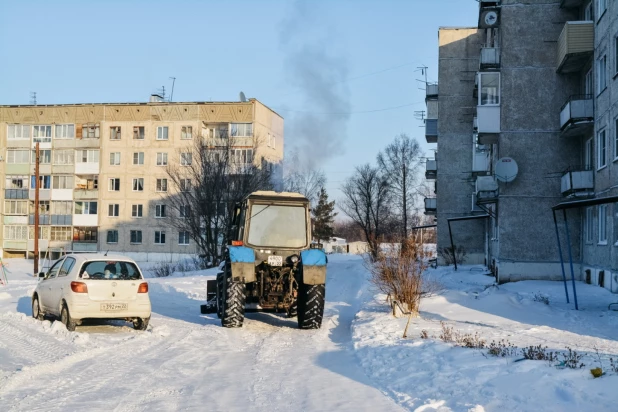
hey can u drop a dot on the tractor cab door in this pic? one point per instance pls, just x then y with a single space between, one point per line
235 233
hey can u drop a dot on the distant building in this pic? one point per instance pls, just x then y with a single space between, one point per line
533 84
103 180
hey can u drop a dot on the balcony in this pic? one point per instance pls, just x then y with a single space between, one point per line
16 193
43 219
431 130
431 91
577 116
578 181
575 46
81 194
490 58
486 189
431 169
480 161
431 206
488 124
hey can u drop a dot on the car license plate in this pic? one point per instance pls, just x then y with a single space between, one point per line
275 260
113 307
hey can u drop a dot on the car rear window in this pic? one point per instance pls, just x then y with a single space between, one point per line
109 269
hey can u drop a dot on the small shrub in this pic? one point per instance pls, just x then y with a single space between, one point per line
572 359
596 372
539 353
163 269
502 349
539 297
613 365
448 333
446 253
424 334
470 341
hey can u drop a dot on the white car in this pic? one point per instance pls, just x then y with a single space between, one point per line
92 285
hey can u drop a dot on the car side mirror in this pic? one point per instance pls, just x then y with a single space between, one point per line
41 274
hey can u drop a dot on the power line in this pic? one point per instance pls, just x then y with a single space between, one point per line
353 112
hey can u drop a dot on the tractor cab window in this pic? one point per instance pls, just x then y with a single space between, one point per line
277 226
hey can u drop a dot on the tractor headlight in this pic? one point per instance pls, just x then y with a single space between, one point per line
293 258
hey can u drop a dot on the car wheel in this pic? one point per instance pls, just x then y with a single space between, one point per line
65 318
36 309
141 323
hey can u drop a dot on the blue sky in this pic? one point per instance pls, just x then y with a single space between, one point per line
328 67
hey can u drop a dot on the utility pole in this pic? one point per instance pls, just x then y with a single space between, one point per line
36 212
172 94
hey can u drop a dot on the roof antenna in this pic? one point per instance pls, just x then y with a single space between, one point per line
106 252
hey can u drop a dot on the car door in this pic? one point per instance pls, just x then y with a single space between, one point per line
62 282
47 286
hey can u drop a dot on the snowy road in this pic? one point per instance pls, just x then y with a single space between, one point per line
186 361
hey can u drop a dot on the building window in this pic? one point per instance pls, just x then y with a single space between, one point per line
16 182
90 131
160 211
85 208
65 131
602 224
15 207
87 156
161 185
183 238
16 232
489 89
62 207
62 182
112 236
616 138
589 225
138 133
41 134
114 133
588 155
44 182
61 233
616 53
18 156
85 234
64 157
161 159
114 159
601 7
185 185
113 210
601 149
241 129
602 74
18 131
159 237
44 207
43 232
89 183
588 14
136 237
242 156
184 211
136 210
114 184
186 132
138 184
44 157
186 159
162 133
138 158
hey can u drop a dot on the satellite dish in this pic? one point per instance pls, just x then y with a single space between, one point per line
506 170
242 97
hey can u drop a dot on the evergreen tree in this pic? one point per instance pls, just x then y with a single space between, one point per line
323 217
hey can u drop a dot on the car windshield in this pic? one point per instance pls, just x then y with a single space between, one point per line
109 269
278 226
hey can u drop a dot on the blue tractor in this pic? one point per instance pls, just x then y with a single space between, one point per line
270 263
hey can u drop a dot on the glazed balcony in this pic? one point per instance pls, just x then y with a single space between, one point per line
486 189
490 58
431 206
575 46
431 169
431 130
577 181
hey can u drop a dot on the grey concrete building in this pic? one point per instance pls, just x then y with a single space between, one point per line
527 118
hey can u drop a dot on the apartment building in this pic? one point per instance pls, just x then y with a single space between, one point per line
103 180
527 119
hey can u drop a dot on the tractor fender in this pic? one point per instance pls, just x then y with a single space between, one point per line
314 266
242 260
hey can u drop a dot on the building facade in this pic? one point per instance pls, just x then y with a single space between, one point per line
102 170
527 119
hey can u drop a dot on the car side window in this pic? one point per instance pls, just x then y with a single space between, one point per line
53 271
66 267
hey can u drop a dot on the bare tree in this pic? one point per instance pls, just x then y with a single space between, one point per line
400 161
209 178
301 177
366 201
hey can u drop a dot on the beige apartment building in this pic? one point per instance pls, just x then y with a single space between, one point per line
103 179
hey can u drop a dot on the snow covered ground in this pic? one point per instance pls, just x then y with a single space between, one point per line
358 360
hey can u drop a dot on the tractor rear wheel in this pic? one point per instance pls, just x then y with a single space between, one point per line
310 305
233 299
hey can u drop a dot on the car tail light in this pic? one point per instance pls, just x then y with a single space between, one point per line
79 287
236 242
143 288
